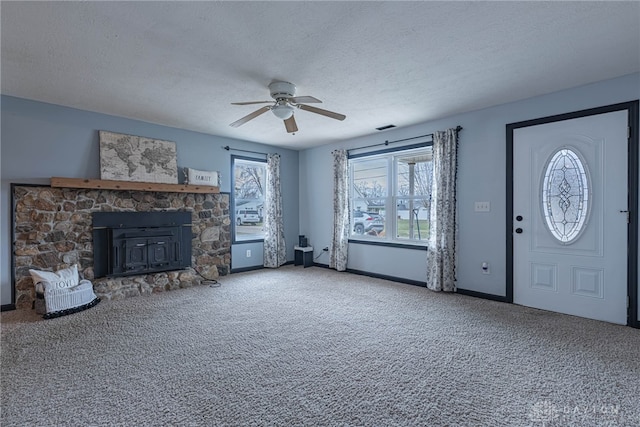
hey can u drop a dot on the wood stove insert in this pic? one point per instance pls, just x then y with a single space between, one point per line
134 243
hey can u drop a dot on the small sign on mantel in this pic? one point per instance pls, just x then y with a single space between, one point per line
199 177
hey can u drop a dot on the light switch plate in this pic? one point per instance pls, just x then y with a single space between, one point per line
482 207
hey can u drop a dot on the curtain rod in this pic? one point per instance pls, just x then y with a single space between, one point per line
387 142
226 147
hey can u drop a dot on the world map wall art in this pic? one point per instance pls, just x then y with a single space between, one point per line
137 158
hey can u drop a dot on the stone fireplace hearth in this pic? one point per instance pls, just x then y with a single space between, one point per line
53 230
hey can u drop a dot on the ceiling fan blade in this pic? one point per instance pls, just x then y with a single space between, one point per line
305 99
327 113
250 102
253 115
291 125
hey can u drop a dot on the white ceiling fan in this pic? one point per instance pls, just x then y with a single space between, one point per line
284 104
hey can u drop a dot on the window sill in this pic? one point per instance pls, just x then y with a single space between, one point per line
419 247
240 242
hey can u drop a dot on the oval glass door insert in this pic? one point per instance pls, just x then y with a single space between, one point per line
565 195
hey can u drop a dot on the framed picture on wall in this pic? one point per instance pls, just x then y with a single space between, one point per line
137 158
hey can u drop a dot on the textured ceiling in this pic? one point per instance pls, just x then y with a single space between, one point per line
181 64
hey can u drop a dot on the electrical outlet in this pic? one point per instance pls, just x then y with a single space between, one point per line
482 207
248 253
486 268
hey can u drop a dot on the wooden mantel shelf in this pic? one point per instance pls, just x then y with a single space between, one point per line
103 184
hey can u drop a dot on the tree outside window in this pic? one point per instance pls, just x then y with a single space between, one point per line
249 177
413 195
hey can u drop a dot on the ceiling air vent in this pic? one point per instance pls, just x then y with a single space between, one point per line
386 127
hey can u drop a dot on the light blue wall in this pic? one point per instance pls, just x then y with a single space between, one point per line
41 140
481 177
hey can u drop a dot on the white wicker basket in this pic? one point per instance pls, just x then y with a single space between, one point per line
64 299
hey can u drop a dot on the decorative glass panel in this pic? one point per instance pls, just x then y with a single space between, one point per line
565 195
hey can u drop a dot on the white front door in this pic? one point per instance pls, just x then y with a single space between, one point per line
570 184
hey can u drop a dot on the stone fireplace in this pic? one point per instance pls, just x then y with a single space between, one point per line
55 228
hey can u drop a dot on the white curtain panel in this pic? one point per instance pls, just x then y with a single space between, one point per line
340 238
275 250
441 250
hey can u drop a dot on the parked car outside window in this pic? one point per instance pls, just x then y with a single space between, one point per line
364 222
247 216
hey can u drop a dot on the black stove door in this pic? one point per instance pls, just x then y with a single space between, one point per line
135 255
161 252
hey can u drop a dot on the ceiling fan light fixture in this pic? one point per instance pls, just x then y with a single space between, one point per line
282 111
285 102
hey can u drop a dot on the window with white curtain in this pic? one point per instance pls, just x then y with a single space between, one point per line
391 195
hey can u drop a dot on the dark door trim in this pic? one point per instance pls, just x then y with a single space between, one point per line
632 237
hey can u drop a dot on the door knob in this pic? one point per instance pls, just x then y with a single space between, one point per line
626 212
519 230
519 218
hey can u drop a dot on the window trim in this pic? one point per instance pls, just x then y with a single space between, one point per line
392 242
389 244
391 150
232 198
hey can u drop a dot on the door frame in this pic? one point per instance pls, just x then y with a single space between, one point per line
632 235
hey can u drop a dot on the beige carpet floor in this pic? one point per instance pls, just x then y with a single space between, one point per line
313 347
